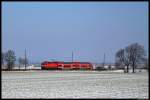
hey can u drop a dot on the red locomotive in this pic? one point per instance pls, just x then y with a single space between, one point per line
66 65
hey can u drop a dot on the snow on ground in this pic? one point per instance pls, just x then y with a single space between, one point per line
74 84
28 67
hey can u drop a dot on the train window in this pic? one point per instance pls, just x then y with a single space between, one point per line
83 66
66 65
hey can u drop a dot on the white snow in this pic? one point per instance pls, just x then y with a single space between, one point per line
74 84
27 67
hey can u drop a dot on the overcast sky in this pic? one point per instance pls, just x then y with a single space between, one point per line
52 30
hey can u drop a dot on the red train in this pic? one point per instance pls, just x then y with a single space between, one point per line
66 65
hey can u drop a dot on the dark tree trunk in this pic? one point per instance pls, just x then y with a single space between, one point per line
133 70
133 67
127 68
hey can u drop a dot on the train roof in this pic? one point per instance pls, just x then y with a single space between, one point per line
75 62
65 62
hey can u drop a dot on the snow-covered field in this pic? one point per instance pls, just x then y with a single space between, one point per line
74 84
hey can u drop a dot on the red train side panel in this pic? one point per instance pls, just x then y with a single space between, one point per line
66 65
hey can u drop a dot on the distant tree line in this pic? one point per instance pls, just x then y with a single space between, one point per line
132 55
9 58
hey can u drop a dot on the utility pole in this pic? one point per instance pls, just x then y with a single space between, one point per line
25 59
104 60
72 56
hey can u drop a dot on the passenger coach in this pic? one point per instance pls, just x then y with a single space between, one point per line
66 65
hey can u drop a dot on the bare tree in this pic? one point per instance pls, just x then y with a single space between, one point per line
2 59
123 59
131 55
120 57
127 58
136 53
10 58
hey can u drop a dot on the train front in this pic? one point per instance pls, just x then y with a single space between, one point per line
49 65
